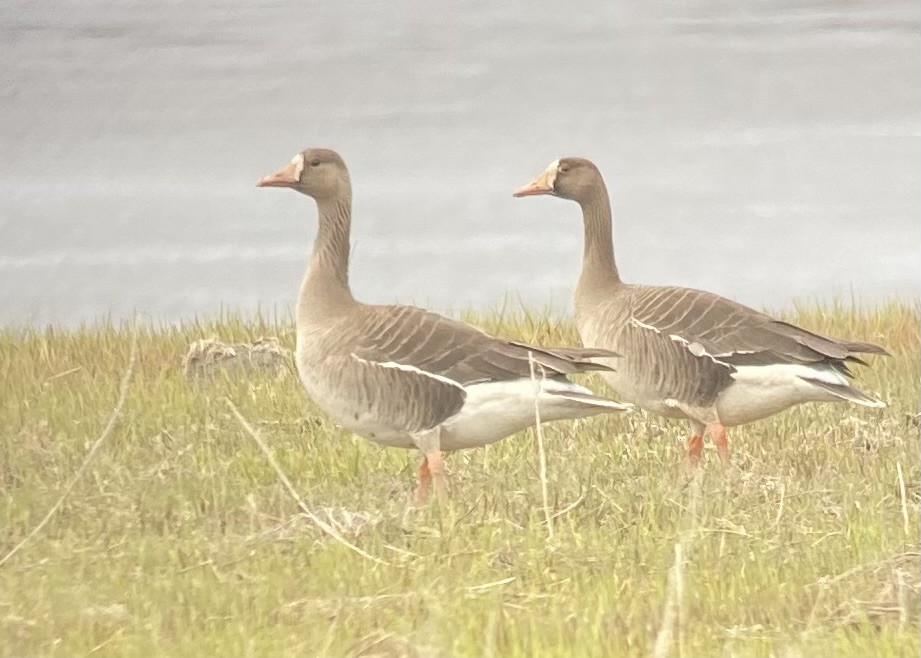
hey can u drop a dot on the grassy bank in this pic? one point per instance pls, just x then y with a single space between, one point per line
179 539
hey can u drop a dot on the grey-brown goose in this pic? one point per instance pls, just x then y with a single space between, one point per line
690 354
402 376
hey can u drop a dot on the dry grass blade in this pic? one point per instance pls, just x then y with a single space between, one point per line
325 527
107 430
492 585
542 456
573 505
670 608
673 608
902 598
898 467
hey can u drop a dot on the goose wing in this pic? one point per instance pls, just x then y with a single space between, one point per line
732 334
454 350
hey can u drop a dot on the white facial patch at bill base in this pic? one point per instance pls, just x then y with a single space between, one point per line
298 162
550 174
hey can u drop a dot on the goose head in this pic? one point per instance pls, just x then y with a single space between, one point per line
318 173
568 178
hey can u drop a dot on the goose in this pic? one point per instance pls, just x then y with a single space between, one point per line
405 377
690 354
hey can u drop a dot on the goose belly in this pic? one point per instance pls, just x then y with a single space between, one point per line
761 391
495 410
632 377
658 372
354 417
633 389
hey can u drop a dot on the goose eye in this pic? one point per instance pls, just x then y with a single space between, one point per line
314 163
564 169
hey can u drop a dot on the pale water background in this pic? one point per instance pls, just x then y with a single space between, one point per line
765 150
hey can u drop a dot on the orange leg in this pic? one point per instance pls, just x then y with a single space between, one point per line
436 468
718 434
431 471
695 447
424 488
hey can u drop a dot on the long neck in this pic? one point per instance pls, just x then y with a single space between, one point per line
325 287
598 264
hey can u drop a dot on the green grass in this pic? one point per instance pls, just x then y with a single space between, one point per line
179 540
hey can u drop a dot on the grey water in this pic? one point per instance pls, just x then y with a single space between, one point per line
765 150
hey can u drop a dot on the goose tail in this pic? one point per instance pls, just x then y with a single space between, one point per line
847 392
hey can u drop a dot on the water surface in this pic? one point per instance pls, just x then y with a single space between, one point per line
766 152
